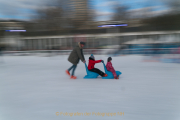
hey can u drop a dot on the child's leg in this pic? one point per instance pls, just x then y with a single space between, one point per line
114 73
97 71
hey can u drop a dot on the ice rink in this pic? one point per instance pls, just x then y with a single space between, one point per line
37 88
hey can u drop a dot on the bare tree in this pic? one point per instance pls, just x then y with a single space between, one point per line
174 5
62 14
121 13
51 18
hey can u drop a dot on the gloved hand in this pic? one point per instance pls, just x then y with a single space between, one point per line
102 61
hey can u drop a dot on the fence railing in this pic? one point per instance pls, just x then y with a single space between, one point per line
55 52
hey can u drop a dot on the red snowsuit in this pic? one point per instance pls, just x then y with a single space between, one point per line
111 69
91 68
92 63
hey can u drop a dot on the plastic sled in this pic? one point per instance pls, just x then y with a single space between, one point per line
110 75
90 75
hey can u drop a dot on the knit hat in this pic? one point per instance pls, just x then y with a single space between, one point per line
92 56
83 43
109 58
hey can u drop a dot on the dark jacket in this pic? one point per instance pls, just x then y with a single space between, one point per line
76 55
92 62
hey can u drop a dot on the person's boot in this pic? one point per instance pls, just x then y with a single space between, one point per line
73 77
67 72
105 75
116 77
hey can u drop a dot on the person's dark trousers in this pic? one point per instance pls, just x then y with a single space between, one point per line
97 71
72 67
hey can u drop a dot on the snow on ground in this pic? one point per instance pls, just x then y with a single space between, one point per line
35 88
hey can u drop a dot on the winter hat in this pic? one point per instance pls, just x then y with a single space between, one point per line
92 56
83 43
109 58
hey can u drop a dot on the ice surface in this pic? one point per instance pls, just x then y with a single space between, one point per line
35 88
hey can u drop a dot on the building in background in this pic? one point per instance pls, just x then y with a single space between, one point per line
11 39
81 12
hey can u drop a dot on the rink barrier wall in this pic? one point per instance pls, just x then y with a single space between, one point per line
110 52
55 52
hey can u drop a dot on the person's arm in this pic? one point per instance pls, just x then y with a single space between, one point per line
96 61
80 55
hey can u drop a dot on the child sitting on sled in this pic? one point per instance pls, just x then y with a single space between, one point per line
91 64
111 68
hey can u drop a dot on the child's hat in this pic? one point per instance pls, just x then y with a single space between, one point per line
92 56
109 58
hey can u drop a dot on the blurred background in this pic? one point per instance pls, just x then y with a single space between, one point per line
115 27
141 36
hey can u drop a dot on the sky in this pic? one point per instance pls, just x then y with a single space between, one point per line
25 9
105 10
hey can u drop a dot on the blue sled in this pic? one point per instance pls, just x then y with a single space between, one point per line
90 75
93 75
110 75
